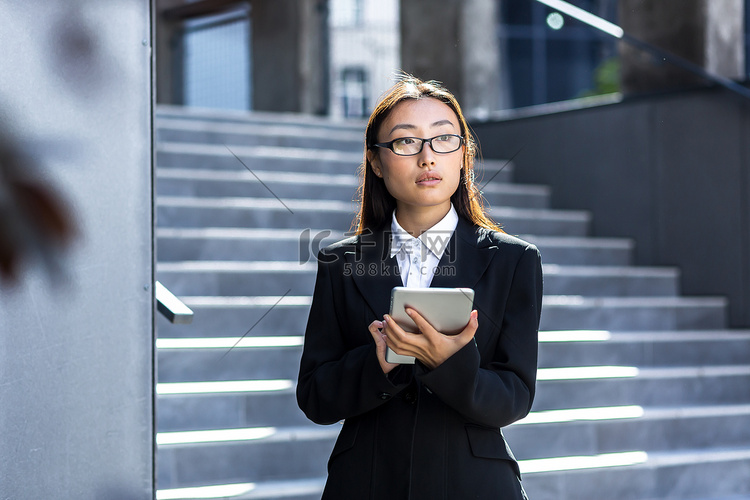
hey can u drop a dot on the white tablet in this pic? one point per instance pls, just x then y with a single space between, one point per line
448 310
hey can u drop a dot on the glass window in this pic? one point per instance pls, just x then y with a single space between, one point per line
216 61
551 57
354 92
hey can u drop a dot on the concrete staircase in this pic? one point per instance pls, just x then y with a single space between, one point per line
642 394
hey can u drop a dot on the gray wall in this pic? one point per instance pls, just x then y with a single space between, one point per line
671 171
76 358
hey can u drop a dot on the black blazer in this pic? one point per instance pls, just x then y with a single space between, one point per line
419 433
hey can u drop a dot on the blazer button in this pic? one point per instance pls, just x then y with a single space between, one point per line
384 396
410 397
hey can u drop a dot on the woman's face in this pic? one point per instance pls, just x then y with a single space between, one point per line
427 180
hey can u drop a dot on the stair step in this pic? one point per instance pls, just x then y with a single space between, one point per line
237 277
593 431
230 244
265 183
238 117
287 159
658 348
583 250
218 243
237 316
241 158
636 349
191 365
179 211
610 280
732 497
727 418
293 489
568 312
345 138
233 316
681 474
543 485
277 277
610 475
583 386
243 455
605 385
187 406
182 412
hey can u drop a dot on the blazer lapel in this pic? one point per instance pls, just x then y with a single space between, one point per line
470 257
465 259
373 270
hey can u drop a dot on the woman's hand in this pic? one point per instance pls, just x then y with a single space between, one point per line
380 346
429 346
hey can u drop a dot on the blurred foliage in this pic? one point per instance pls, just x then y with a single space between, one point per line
606 78
35 222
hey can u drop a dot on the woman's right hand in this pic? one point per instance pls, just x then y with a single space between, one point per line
380 346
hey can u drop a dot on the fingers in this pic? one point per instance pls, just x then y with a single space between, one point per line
375 327
431 347
426 328
380 346
472 325
422 324
377 335
465 336
394 334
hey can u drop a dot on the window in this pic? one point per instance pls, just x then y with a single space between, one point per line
354 92
552 58
216 61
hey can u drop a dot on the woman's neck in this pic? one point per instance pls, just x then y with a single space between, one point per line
417 220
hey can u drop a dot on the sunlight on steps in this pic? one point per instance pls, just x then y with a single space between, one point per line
229 342
223 386
245 491
558 464
218 491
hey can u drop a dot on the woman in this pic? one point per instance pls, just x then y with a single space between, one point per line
431 430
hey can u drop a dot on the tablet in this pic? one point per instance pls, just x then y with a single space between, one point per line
448 310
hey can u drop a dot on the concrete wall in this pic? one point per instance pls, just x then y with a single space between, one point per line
670 171
76 356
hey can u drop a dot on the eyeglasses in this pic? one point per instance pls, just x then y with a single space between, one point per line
409 146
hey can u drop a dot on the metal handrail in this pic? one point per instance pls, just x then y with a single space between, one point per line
171 307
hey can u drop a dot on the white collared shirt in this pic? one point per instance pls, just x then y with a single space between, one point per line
419 257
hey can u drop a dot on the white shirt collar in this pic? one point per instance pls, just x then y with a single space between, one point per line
434 239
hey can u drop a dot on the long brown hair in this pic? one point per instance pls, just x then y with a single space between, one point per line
375 202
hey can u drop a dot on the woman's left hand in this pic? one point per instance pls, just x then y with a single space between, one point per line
380 346
429 346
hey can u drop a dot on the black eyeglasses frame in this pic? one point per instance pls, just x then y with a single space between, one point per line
389 144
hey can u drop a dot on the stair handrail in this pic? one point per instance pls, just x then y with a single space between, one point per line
171 307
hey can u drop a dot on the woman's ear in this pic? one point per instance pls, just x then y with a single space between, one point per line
374 160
